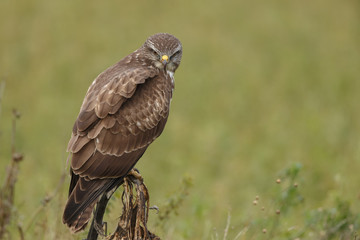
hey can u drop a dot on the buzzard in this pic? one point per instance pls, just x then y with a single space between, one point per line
125 109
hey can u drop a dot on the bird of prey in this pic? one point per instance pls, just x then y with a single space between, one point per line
125 109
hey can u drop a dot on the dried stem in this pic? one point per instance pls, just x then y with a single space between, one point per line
2 89
227 226
133 221
8 188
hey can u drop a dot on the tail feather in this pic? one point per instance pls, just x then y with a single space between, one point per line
82 199
81 222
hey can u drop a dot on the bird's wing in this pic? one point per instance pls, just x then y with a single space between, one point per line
119 118
107 93
115 124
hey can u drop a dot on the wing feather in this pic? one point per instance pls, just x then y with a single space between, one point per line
106 123
79 143
79 158
108 93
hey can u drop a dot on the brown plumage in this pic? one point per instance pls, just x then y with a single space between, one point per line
124 110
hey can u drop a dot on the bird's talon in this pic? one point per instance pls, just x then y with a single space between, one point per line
135 174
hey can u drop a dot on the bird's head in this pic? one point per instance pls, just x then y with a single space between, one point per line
164 51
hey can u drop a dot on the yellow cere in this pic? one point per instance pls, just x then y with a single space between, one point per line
164 58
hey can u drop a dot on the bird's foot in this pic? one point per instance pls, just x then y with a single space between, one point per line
135 176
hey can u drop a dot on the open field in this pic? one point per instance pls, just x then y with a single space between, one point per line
263 86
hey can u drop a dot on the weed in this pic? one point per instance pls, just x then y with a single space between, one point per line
337 222
9 214
8 189
173 203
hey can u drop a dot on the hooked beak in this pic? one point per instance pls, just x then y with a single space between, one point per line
164 59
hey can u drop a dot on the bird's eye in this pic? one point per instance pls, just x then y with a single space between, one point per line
153 51
176 53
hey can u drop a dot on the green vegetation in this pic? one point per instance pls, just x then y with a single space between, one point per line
266 90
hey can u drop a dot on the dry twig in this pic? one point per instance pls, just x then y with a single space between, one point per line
8 188
133 221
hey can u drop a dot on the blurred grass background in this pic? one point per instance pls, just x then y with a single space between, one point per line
262 84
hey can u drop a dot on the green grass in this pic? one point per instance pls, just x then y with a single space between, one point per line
262 85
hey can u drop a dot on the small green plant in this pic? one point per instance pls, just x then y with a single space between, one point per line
275 220
286 197
272 221
337 222
174 202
